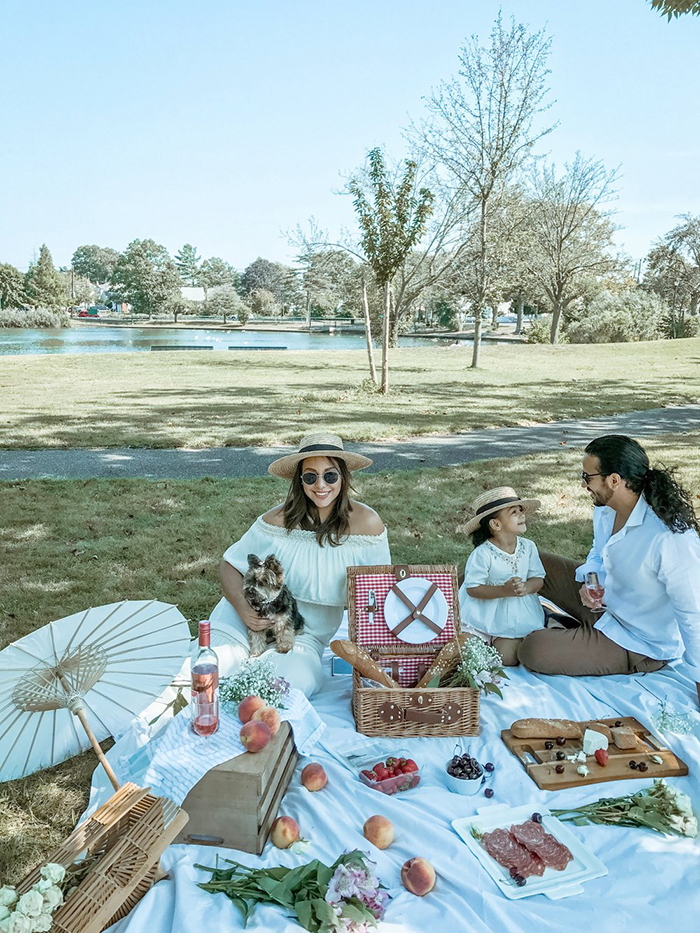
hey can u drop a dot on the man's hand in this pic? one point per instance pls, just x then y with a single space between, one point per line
514 587
589 600
251 619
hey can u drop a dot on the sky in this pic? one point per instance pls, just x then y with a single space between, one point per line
225 123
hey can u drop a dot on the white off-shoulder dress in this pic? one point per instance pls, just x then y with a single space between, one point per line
317 578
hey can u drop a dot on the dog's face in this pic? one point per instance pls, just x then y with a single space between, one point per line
267 575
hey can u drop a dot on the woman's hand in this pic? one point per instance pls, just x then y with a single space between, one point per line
232 587
250 618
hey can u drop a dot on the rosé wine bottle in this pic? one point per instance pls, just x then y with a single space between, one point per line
204 705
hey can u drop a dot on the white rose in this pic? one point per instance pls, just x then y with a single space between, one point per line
53 898
4 912
4 924
30 904
18 923
42 924
8 896
690 827
43 884
54 872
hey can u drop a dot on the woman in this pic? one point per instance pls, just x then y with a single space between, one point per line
316 534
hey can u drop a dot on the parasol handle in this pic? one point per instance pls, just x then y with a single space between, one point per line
77 710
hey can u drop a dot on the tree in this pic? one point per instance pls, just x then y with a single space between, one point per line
187 262
225 300
80 289
215 273
146 277
12 293
482 131
95 263
673 272
671 8
261 273
43 283
570 234
390 227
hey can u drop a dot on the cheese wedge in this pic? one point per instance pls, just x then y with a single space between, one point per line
592 741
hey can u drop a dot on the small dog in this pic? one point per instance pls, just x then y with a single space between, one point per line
265 590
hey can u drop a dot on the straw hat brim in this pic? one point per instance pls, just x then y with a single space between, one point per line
285 467
528 505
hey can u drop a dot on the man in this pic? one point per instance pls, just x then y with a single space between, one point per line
646 552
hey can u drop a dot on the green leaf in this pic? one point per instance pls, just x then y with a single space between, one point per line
435 682
304 911
492 688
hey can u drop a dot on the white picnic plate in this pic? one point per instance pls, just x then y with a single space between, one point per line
554 884
395 610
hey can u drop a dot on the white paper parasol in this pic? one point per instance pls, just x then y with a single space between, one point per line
102 666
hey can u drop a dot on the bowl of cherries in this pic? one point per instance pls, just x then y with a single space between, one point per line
392 776
465 775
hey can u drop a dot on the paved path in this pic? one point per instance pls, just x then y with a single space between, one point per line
444 450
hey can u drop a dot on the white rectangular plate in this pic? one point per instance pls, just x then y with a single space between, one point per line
554 884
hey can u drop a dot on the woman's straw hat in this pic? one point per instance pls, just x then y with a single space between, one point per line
493 500
318 445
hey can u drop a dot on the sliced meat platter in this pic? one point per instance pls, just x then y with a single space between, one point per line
527 849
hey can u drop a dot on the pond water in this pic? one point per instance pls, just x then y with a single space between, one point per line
103 338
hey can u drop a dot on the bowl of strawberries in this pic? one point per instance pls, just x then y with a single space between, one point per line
392 776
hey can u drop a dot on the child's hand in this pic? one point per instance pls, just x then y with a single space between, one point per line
514 587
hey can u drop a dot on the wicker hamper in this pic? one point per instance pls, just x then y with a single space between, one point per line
405 711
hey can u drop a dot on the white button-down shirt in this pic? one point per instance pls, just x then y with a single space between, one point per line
651 577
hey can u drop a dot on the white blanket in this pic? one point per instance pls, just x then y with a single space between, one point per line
653 880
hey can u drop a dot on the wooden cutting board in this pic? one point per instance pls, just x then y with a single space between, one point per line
539 762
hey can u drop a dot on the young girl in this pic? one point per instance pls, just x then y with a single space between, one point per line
504 573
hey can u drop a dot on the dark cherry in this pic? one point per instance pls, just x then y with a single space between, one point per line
549 745
618 723
561 740
559 769
519 880
456 760
560 756
513 871
489 766
642 766
633 765
488 792
536 817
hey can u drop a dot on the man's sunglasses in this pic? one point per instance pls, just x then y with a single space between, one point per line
586 476
330 476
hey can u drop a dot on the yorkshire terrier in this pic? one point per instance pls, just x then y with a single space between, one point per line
265 590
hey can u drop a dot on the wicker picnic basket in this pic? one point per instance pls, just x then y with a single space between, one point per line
120 844
395 712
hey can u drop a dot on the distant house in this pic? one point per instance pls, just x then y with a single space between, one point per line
192 293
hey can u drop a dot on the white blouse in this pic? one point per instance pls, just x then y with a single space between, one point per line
509 616
316 576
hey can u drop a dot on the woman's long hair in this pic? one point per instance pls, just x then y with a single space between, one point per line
300 512
617 453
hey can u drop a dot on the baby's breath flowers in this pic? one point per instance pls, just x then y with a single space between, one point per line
257 677
480 667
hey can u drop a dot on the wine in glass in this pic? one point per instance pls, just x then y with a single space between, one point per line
594 587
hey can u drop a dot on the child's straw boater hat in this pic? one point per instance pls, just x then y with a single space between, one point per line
493 500
318 445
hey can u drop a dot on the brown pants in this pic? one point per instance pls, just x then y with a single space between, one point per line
581 650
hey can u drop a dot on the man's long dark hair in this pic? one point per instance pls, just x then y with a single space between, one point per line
617 453
301 512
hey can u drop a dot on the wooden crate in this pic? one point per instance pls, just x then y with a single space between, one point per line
407 711
236 802
540 762
126 838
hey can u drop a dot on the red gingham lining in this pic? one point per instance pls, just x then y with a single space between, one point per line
410 669
377 633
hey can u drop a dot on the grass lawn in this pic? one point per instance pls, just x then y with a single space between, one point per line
233 399
69 545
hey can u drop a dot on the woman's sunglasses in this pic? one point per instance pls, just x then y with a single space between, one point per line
330 477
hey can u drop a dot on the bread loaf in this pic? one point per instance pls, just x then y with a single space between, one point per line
446 660
362 662
546 729
596 726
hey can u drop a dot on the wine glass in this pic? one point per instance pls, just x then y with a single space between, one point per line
595 589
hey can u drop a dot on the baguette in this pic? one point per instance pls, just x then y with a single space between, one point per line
362 662
446 660
546 729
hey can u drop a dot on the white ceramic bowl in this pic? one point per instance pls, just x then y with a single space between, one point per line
463 785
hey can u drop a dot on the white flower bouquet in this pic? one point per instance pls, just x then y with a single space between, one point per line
257 677
480 666
31 912
661 807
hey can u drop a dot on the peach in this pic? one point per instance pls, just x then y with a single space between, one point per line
247 707
268 715
380 831
255 736
418 876
313 777
284 831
